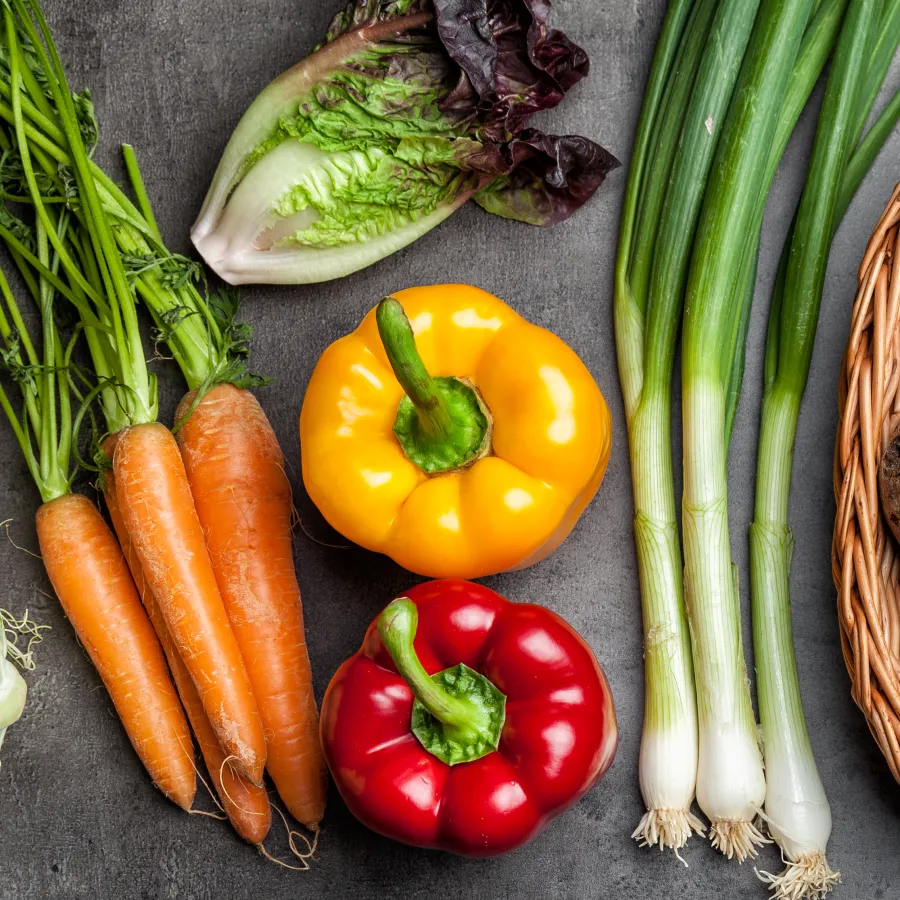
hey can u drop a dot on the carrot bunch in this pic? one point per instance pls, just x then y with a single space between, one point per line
194 614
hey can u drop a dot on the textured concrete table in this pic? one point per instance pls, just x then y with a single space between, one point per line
79 819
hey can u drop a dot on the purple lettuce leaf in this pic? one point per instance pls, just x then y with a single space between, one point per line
512 64
546 178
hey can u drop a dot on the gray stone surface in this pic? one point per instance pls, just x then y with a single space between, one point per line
79 819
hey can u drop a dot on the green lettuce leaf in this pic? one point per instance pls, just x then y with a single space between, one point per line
406 111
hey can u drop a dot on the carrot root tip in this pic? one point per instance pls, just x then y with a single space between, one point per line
304 857
229 798
219 817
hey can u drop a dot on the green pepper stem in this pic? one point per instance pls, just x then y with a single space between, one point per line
400 346
397 626
442 423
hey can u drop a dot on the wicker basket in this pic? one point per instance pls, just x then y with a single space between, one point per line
865 558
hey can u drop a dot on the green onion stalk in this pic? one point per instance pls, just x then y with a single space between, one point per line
684 108
677 137
817 45
796 807
818 42
731 784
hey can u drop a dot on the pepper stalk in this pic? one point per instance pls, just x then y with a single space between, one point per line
442 423
458 714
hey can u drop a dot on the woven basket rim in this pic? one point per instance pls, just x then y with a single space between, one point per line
865 557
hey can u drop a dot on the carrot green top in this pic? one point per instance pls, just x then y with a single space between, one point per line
105 253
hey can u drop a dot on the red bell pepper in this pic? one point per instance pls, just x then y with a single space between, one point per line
513 726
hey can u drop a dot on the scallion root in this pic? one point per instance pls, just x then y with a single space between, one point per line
15 629
12 686
666 828
809 878
736 838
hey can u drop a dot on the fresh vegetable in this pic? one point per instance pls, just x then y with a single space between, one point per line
796 808
245 804
236 471
261 594
486 467
90 577
730 777
80 553
169 542
157 510
731 785
685 104
243 500
467 722
406 111
13 690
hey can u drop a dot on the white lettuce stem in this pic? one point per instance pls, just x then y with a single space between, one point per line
248 244
731 786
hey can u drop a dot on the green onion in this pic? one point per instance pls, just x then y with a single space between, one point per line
730 781
669 742
817 45
796 807
684 108
700 92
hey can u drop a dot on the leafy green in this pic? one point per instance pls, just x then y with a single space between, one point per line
407 110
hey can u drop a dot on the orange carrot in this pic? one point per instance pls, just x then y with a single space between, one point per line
243 498
245 804
159 515
90 578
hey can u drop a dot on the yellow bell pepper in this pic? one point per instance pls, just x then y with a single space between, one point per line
484 467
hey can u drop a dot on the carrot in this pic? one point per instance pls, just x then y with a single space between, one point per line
80 257
89 575
243 498
245 804
159 515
